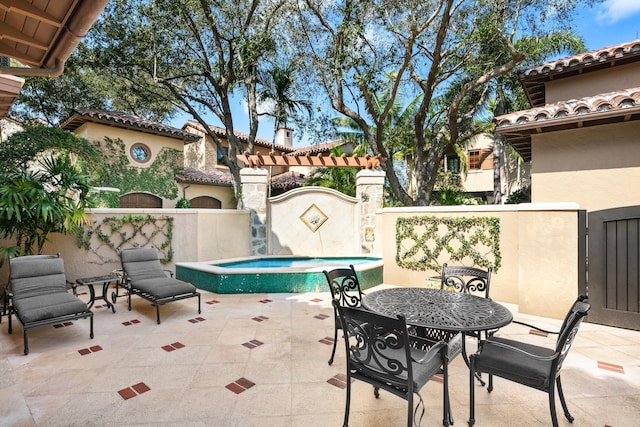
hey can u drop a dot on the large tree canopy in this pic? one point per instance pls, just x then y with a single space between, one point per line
446 51
436 61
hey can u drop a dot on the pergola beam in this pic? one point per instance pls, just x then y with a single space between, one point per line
258 160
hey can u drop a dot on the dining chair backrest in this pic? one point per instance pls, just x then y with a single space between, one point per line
569 329
377 346
344 286
468 280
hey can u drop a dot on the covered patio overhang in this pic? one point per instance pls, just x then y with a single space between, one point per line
40 36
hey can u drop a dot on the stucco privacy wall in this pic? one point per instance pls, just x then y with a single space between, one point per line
198 235
582 166
539 247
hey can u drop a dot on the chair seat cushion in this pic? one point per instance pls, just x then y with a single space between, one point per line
163 287
513 365
44 307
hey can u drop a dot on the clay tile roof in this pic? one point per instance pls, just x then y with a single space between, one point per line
77 117
242 136
318 148
284 181
534 77
596 110
288 180
210 177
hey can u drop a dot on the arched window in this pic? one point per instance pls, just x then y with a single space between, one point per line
140 200
205 202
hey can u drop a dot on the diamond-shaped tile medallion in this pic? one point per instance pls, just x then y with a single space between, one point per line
313 217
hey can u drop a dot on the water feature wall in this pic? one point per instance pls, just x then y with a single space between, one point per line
313 221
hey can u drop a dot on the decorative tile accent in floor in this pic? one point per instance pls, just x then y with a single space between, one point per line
611 367
197 319
259 318
537 332
240 385
338 380
252 344
131 322
316 300
213 301
89 350
171 347
264 301
62 325
326 340
133 391
321 316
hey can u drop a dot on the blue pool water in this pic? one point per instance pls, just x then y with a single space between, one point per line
275 273
328 263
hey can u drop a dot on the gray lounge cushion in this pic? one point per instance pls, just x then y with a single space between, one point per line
163 287
48 307
146 274
39 289
37 277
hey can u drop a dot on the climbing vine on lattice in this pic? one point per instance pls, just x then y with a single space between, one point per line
130 231
424 242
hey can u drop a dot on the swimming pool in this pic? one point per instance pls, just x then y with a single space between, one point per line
275 273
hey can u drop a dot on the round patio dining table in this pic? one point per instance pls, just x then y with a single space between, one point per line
439 309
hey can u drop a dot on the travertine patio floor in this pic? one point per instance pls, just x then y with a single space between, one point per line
261 360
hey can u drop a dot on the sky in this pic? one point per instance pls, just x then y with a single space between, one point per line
604 24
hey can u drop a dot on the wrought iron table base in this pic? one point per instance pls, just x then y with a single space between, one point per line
91 281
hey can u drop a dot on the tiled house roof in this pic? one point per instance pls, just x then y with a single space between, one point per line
283 181
533 78
211 177
288 180
77 117
318 148
613 107
221 132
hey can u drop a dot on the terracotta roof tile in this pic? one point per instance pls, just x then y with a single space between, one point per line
288 180
601 109
210 177
77 117
243 136
285 181
611 102
587 59
318 148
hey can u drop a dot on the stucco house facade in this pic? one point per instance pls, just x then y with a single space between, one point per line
583 128
200 173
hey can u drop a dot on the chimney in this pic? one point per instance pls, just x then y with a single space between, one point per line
285 136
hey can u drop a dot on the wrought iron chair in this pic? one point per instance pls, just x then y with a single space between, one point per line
527 364
345 288
144 276
469 280
39 296
381 352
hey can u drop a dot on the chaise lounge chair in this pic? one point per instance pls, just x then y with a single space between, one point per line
39 295
143 275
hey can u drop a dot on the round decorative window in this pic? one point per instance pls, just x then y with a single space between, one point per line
140 153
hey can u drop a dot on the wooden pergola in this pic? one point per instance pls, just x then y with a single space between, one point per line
259 160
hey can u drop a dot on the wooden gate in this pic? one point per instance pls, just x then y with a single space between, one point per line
613 277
